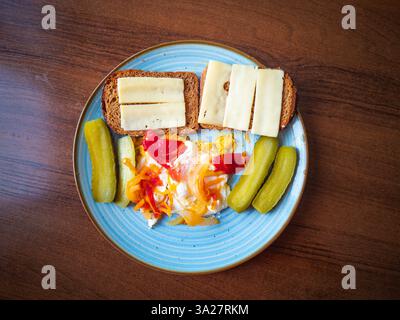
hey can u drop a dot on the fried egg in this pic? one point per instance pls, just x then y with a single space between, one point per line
194 191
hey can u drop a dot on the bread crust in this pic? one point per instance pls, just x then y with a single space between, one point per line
288 102
111 108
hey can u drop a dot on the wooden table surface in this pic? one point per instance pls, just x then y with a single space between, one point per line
348 93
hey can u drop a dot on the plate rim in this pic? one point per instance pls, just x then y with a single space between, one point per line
99 228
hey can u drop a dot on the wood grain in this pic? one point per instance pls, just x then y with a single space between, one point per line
348 92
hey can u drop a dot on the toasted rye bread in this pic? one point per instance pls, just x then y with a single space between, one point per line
111 108
288 102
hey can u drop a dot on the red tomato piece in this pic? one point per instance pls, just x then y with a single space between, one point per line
163 150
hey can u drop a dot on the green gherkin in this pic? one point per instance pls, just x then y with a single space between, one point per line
104 180
254 174
276 184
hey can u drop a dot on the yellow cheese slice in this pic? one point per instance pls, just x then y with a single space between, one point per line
213 99
153 116
268 102
149 89
240 97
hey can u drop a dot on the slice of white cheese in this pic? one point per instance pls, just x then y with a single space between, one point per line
149 89
213 99
268 103
153 116
240 97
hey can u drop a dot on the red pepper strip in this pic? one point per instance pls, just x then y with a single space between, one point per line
230 163
175 174
150 195
155 181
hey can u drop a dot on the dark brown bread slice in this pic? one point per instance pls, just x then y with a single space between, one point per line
111 108
288 102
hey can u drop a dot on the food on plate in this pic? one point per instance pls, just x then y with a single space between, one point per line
242 85
111 106
289 101
276 184
268 102
101 153
152 116
214 92
254 174
259 112
126 165
164 170
176 175
151 103
149 90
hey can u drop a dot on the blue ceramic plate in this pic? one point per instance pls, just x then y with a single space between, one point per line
185 249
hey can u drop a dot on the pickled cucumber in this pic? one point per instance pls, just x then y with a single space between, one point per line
101 153
276 184
126 152
254 174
